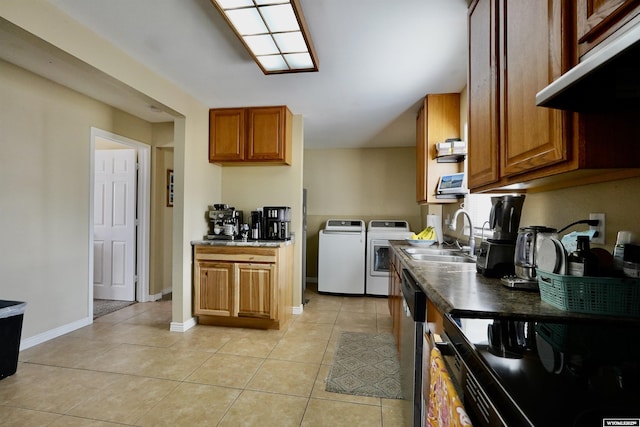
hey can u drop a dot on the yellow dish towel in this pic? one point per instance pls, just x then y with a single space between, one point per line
445 408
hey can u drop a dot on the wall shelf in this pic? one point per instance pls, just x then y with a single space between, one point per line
451 158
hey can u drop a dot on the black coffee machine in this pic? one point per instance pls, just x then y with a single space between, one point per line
277 222
495 258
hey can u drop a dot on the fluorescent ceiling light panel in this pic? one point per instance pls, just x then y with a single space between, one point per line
280 18
290 42
274 32
247 21
298 60
235 4
263 2
261 45
273 63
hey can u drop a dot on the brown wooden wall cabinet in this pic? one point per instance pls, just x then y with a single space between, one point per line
243 285
255 135
597 20
516 48
438 120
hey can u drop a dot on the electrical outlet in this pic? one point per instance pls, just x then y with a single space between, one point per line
600 230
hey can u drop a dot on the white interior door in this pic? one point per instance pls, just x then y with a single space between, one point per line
114 225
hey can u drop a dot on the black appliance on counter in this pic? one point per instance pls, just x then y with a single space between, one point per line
257 225
496 254
224 222
277 222
530 371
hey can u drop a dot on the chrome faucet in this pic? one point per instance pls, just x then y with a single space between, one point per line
452 227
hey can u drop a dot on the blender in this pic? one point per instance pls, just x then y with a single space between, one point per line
496 254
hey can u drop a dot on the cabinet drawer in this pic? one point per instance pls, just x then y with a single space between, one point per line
236 254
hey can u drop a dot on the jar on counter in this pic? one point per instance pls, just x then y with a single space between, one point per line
624 238
631 263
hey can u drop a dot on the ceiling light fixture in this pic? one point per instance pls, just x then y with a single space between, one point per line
274 32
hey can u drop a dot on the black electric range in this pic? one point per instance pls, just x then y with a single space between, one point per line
530 372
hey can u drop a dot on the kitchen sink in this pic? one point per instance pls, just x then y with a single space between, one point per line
429 251
443 258
439 255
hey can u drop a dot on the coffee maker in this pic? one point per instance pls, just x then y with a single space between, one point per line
224 222
495 258
277 222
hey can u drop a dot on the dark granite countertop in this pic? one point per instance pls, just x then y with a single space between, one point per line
240 242
456 288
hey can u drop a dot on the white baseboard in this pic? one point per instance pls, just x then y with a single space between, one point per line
54 333
70 327
155 297
183 327
160 295
297 309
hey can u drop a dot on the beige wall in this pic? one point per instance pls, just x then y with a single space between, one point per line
44 187
45 126
617 199
250 187
372 183
161 245
160 248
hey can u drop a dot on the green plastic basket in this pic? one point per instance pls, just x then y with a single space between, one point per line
592 295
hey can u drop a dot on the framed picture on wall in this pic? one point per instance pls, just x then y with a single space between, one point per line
170 188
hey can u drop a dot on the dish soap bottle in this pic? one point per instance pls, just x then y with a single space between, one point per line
581 261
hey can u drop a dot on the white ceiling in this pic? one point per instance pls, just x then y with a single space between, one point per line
378 58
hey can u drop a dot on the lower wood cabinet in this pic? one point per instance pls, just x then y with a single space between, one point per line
212 290
255 289
243 286
395 295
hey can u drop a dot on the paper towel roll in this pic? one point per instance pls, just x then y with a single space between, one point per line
435 221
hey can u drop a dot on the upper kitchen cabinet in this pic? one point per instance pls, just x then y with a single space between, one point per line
256 135
598 19
438 120
483 100
516 48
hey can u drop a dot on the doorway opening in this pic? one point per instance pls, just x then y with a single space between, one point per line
137 258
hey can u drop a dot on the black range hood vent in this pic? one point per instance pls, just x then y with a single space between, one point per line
609 80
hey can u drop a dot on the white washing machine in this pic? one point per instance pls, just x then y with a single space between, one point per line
341 257
379 232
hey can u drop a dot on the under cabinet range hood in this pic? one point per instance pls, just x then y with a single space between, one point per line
605 81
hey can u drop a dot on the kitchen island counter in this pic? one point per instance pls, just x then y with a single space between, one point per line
458 289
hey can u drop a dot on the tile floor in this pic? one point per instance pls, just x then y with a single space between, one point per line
129 369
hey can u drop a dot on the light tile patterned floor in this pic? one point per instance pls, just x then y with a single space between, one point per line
129 369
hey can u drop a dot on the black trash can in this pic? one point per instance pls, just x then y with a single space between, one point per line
11 315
